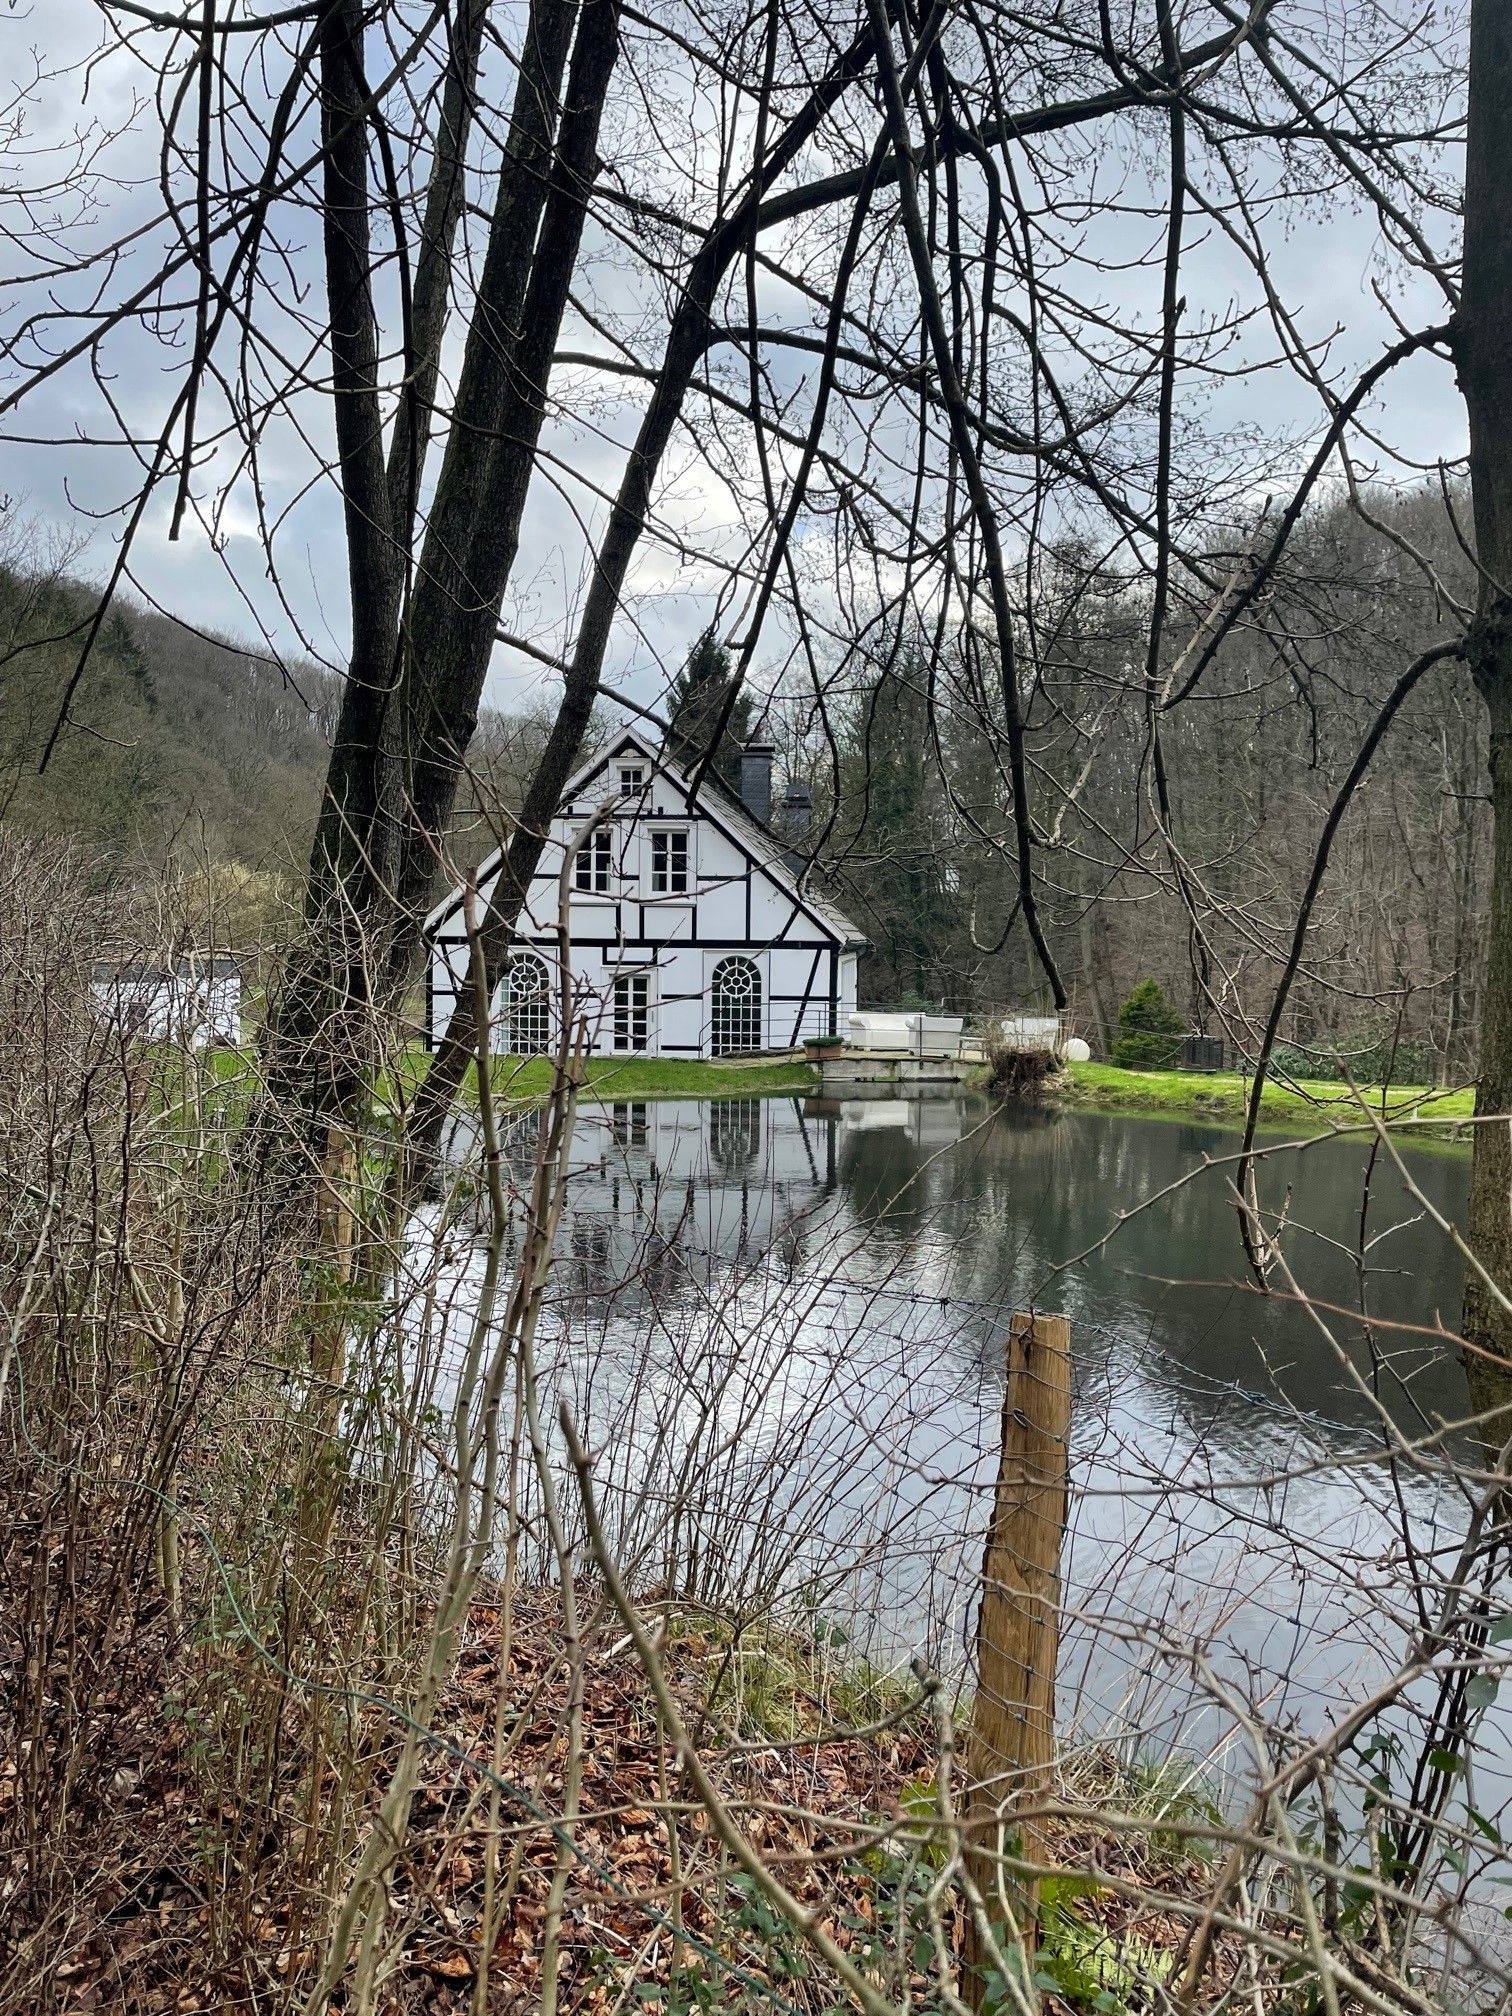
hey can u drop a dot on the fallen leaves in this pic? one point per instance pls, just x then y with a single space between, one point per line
626 1897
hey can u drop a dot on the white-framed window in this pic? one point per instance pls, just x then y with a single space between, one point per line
735 1006
671 860
593 866
630 1012
632 779
527 1005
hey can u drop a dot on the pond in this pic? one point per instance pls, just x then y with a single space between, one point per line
779 1327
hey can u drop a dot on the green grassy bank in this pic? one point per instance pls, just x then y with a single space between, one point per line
1224 1096
529 1078
1217 1096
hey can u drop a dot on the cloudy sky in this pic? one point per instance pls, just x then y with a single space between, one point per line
68 467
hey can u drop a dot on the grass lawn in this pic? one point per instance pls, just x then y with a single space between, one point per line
527 1078
1220 1096
1225 1096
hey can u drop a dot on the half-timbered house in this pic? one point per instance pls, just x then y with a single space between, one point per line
690 930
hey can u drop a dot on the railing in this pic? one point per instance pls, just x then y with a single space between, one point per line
1201 1053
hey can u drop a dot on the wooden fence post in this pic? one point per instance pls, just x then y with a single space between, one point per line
1010 1746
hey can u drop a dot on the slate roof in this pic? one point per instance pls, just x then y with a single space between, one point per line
721 803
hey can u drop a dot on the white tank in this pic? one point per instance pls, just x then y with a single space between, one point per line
1033 1033
906 1035
873 1031
937 1035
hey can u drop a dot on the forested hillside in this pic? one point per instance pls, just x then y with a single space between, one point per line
184 744
181 743
918 839
175 740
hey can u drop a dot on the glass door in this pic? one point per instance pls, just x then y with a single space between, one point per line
630 1021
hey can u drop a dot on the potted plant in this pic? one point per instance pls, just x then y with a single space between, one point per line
817 1048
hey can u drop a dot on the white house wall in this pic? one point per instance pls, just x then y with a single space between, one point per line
848 996
735 904
796 994
196 1008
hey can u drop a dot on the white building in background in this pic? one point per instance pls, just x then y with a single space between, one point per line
689 934
195 1001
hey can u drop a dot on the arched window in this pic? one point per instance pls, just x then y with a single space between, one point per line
735 1133
527 1005
736 1005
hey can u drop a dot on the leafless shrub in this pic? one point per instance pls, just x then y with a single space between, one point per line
1017 1073
181 1646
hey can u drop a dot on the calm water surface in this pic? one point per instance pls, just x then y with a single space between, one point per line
779 1324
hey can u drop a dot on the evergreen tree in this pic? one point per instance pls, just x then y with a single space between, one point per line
1149 1031
897 876
694 706
121 644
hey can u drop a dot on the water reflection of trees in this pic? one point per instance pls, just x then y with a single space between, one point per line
1021 1200
976 1209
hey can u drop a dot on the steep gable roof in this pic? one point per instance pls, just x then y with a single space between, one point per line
719 803
730 810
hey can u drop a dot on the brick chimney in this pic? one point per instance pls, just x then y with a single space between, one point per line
756 780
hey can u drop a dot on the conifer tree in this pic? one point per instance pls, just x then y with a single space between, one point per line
1149 1030
696 704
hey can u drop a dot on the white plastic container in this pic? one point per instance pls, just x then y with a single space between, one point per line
1034 1034
937 1035
890 1035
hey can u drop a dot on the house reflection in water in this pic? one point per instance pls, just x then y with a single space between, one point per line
664 1195
978 1208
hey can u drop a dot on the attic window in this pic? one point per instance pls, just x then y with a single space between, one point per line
632 778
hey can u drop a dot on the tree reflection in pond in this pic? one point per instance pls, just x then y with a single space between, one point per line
780 1324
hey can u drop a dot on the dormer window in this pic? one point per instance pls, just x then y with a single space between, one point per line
669 861
593 864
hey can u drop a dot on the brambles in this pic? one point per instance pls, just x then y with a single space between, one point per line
1018 1074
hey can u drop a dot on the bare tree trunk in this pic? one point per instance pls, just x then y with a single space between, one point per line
1459 1042
417 671
474 528
687 341
325 1003
438 236
1483 352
